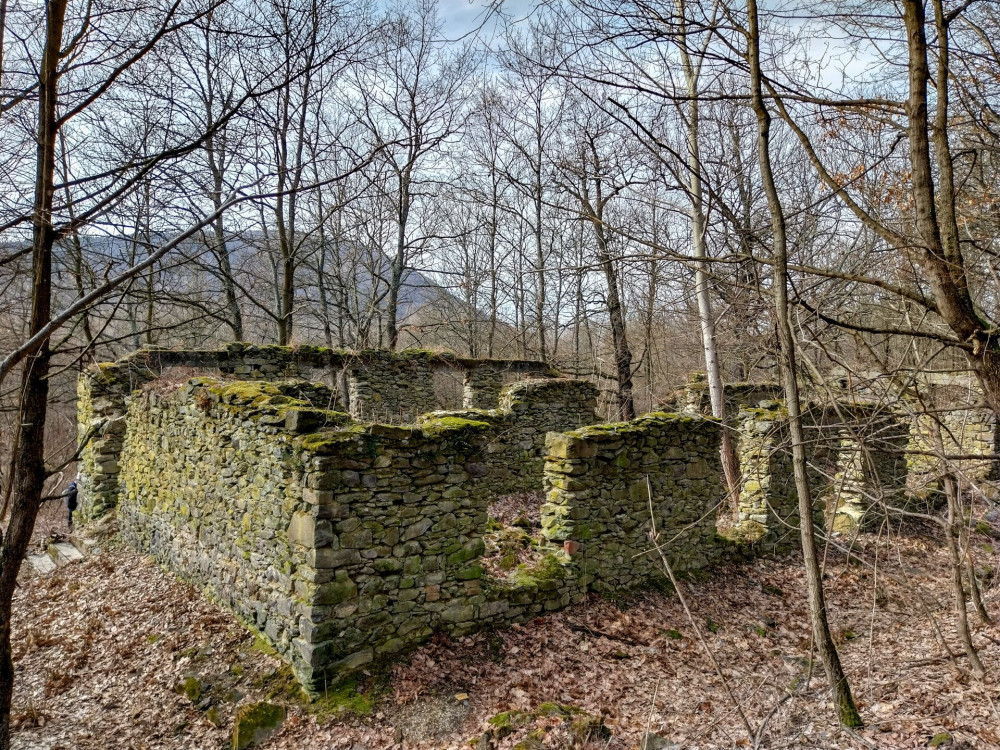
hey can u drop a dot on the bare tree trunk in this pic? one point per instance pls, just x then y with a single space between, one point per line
974 590
713 372
215 152
649 315
287 292
539 262
847 711
619 335
324 303
494 301
225 265
578 303
592 209
78 262
951 534
398 265
941 258
29 461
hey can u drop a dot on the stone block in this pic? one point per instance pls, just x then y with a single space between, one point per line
309 531
335 592
563 445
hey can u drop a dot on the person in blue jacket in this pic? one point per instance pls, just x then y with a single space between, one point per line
71 494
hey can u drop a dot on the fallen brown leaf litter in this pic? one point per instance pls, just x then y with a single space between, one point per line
115 653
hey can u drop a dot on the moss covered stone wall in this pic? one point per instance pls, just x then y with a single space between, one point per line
528 410
345 542
694 397
481 387
391 387
966 431
767 513
101 428
598 496
871 471
212 485
855 464
341 543
395 386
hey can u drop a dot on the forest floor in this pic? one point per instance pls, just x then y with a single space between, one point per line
105 648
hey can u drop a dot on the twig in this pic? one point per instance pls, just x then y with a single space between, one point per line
857 737
578 628
654 537
649 720
770 714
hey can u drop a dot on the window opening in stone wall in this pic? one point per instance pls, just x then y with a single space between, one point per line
448 388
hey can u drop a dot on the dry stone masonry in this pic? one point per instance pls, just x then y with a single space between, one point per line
481 387
606 482
342 543
528 411
960 432
400 395
855 458
390 387
347 529
211 487
768 513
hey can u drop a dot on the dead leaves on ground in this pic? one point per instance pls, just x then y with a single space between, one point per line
101 647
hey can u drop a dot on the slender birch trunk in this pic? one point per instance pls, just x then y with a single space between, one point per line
713 371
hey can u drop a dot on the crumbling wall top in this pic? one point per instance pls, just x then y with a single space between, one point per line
271 359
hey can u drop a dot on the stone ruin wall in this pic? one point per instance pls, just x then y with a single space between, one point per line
528 410
388 387
212 488
873 452
960 432
344 542
340 542
606 482
693 398
101 432
855 459
946 415
103 391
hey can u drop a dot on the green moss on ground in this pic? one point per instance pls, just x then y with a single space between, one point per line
349 697
506 722
255 723
192 689
583 727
